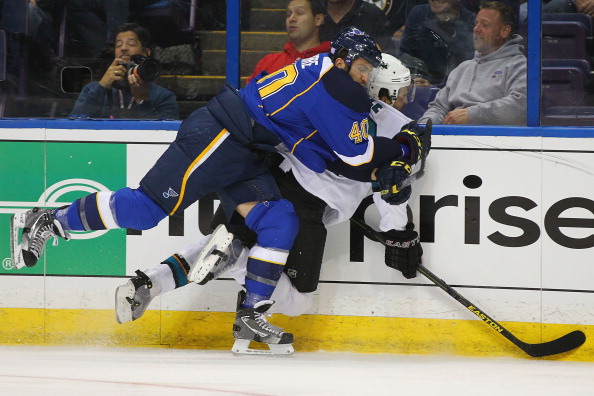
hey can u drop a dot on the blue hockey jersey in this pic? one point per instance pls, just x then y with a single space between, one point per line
316 109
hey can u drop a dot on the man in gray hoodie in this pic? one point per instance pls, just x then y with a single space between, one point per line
491 87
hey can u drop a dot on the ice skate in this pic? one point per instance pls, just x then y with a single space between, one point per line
214 254
39 225
133 298
251 325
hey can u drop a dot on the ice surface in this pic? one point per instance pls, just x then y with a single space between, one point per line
90 371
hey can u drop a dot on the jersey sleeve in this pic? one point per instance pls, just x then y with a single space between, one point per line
339 110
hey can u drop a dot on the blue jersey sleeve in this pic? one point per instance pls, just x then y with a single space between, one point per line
317 110
340 111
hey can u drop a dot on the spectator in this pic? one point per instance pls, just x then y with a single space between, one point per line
304 19
440 34
418 69
396 11
569 6
119 95
491 88
360 14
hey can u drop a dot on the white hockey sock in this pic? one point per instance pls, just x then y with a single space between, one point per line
190 253
288 300
162 279
239 269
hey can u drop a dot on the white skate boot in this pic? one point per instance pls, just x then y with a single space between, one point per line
133 298
39 225
214 254
251 325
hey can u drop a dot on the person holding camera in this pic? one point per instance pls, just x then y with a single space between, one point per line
127 90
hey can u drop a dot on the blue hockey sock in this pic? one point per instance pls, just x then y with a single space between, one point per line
69 218
276 224
264 268
124 208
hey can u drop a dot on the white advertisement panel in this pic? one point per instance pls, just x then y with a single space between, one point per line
507 221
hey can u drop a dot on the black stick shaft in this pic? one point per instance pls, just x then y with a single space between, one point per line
470 306
560 345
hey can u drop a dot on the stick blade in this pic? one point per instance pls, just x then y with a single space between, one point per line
560 345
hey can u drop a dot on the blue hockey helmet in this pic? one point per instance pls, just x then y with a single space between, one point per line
357 44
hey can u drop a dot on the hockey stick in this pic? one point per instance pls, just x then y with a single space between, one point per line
563 344
560 345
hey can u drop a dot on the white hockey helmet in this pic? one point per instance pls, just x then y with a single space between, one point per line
392 75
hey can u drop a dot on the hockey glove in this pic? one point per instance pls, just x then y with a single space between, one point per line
388 177
409 138
403 250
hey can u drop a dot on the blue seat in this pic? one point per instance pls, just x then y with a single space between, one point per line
569 115
14 16
584 19
582 64
563 40
167 20
563 86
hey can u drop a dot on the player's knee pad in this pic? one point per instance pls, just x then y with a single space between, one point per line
134 209
275 222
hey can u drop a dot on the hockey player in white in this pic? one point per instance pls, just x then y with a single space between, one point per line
220 253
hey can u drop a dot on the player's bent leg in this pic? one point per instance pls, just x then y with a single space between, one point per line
39 225
133 298
276 225
103 210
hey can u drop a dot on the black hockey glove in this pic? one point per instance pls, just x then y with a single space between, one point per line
388 178
410 139
423 133
403 250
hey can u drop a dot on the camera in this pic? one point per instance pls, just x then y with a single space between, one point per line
149 69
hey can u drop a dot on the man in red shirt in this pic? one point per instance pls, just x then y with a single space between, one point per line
304 19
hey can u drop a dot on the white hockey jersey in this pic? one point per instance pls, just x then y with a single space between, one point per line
343 195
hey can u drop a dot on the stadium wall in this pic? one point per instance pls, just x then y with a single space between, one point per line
505 215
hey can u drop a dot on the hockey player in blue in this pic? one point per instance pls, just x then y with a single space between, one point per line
316 109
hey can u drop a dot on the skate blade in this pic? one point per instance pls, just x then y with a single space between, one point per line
122 306
242 347
17 222
208 259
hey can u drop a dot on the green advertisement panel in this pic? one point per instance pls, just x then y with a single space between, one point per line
52 175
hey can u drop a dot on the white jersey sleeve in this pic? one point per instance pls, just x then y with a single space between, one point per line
388 120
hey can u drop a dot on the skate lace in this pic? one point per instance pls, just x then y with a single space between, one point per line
264 325
44 233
